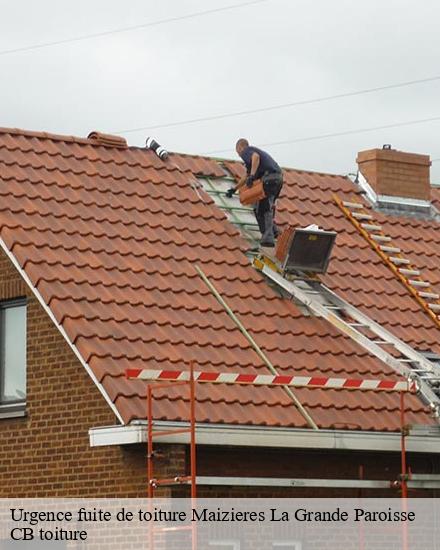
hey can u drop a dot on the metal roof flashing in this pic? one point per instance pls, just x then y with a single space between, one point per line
398 206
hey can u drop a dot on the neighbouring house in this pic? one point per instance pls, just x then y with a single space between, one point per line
99 244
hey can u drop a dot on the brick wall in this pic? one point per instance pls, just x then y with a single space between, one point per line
396 173
47 453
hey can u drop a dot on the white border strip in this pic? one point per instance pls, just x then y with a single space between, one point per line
60 328
255 436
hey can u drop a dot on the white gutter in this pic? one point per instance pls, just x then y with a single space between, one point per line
283 438
60 328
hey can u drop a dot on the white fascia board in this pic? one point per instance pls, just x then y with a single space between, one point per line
253 436
60 328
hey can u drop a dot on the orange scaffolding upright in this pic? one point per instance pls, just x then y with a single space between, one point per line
153 482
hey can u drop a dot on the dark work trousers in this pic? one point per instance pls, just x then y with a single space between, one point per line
265 209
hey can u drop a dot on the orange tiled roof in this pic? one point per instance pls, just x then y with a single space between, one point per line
109 237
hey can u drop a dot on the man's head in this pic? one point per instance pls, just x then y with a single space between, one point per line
241 145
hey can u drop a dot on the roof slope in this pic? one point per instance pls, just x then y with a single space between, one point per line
109 238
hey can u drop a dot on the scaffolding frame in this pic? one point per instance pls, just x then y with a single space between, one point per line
179 378
167 378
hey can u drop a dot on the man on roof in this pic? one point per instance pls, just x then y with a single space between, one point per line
260 165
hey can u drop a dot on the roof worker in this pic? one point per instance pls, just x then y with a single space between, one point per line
260 165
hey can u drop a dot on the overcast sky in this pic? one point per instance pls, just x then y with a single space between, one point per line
258 55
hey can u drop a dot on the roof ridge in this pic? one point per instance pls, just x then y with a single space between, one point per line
112 140
94 142
46 135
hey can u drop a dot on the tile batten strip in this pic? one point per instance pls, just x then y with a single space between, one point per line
48 311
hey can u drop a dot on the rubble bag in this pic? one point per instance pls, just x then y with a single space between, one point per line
251 195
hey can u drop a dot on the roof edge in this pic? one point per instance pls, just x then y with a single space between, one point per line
118 140
44 135
256 436
60 328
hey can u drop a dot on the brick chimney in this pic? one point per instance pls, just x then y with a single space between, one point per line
395 173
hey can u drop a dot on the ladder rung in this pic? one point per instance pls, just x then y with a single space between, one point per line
352 204
414 282
408 360
361 216
381 238
382 342
420 370
399 261
357 325
371 227
235 208
409 272
246 224
331 306
390 249
178 480
434 307
431 295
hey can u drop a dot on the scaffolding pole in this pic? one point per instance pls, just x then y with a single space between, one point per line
153 482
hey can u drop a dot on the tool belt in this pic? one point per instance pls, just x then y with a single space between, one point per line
270 177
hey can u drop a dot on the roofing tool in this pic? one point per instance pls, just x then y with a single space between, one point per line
289 270
152 144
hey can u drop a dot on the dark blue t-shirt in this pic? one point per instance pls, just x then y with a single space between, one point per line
267 164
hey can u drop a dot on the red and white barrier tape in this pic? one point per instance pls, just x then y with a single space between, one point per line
272 380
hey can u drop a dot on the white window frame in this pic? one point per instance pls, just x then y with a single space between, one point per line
11 409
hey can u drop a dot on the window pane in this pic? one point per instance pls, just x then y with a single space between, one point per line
14 358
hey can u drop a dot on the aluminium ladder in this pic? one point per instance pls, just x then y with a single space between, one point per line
323 302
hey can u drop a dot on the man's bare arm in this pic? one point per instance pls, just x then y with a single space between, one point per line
255 163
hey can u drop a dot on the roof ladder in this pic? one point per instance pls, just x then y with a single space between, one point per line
240 216
349 320
393 257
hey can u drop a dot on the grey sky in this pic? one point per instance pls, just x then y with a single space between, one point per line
278 51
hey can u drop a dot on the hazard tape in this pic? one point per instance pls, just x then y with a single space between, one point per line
274 380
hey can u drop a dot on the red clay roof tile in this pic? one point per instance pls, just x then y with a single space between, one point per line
110 236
